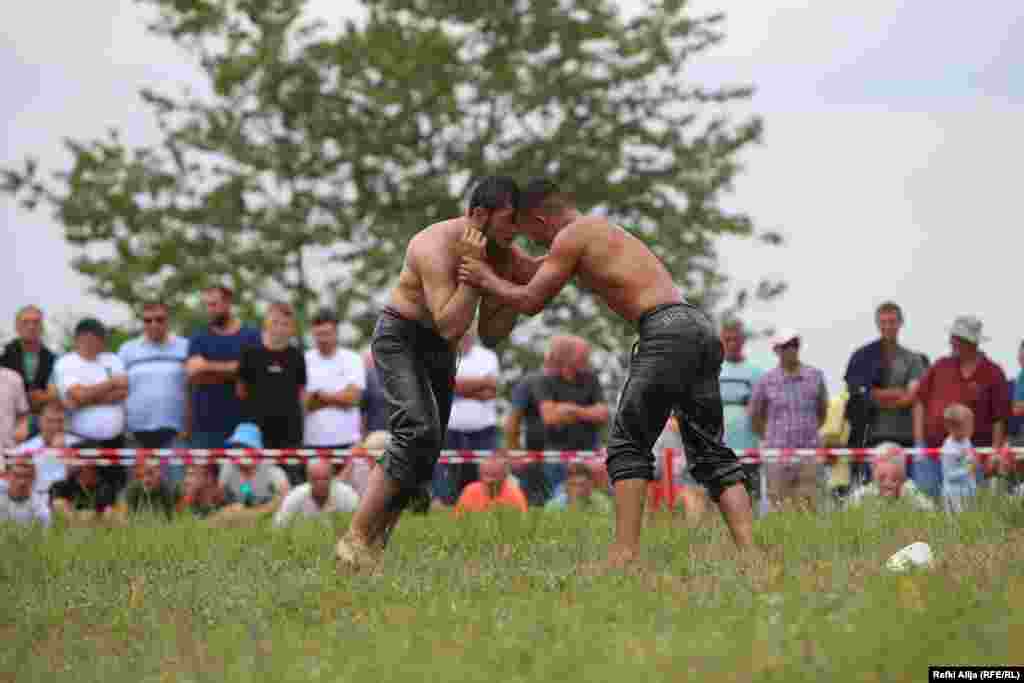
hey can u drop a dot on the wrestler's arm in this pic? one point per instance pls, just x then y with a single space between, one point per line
552 275
497 320
452 304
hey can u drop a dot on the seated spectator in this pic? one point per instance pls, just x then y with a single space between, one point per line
19 502
84 497
959 484
689 496
356 470
890 483
148 494
254 489
495 489
200 494
321 495
49 468
579 492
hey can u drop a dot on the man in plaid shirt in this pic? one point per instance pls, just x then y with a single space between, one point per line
788 406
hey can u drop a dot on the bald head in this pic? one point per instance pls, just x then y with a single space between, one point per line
318 473
560 355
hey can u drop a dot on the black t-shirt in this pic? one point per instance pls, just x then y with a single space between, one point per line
98 499
527 397
272 379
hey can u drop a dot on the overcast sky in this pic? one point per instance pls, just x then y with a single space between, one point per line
890 160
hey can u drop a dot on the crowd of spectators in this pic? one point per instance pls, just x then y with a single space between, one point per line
234 385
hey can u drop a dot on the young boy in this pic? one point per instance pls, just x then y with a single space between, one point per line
958 478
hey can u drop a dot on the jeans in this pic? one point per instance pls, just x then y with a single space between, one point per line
449 480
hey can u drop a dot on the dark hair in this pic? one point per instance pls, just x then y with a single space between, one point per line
544 194
150 305
90 326
495 192
890 307
324 315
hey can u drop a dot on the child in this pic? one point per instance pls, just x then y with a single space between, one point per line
958 479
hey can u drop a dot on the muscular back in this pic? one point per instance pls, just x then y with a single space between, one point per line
620 268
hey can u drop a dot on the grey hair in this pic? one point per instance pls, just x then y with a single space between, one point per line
892 453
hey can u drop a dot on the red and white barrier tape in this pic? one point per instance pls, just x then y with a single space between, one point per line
296 456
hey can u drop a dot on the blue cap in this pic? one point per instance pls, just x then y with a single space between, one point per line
247 435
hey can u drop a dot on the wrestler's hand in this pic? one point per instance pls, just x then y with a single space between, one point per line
474 272
472 243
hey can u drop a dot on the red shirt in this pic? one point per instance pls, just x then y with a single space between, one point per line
986 392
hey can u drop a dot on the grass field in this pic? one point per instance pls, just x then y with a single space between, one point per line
507 597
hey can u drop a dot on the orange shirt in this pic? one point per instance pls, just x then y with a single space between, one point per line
475 498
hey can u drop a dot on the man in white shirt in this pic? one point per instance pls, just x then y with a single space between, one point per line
93 385
49 468
322 494
474 422
19 502
335 380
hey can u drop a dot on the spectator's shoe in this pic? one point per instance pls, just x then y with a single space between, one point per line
355 555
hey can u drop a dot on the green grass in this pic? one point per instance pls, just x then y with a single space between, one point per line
507 597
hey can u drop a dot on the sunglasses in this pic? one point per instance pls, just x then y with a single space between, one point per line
147 321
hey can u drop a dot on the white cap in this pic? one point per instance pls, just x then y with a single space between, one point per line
914 555
783 336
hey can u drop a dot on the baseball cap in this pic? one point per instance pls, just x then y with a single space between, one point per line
784 336
90 326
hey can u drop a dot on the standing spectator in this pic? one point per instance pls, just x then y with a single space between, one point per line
212 369
321 495
966 376
474 422
272 384
737 380
49 468
572 408
882 378
337 379
787 408
19 502
959 483
374 405
29 357
14 407
525 413
1016 427
156 412
495 489
93 386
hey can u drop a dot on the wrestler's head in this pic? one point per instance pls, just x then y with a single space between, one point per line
492 208
544 209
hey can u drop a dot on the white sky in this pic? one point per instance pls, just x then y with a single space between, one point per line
890 158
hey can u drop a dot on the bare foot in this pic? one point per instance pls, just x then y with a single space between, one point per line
355 555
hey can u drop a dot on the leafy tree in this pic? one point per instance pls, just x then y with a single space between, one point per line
315 156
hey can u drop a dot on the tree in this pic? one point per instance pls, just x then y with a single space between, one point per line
337 148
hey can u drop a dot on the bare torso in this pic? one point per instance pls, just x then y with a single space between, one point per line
436 242
621 270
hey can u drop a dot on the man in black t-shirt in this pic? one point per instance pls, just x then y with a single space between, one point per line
272 385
